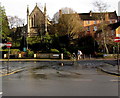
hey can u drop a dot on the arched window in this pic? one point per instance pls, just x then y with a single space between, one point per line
34 20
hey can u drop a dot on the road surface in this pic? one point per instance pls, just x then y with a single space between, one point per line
58 79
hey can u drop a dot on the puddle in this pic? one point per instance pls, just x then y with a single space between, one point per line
39 67
39 76
66 75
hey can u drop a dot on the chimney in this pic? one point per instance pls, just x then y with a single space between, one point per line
106 16
60 13
90 13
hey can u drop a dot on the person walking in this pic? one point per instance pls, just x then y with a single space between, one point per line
79 54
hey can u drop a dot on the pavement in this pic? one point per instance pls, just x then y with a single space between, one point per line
110 69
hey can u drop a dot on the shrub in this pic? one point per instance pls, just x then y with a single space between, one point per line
30 53
68 53
14 51
99 55
54 51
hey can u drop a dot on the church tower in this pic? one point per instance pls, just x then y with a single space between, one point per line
45 18
28 25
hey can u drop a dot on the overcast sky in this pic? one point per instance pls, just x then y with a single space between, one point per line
18 7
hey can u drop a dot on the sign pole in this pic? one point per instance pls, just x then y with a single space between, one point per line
8 44
8 60
118 58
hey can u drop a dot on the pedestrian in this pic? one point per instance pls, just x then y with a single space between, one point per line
79 54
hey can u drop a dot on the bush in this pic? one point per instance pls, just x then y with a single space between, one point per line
67 55
99 55
4 51
14 51
54 51
30 53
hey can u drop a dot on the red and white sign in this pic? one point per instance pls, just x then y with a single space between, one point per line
9 44
117 39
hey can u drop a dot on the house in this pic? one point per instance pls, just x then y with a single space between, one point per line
92 20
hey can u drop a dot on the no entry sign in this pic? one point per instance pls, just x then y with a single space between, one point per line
9 44
117 39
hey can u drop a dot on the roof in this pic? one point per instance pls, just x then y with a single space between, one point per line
97 15
36 7
114 26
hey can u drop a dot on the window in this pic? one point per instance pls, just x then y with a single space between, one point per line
95 28
88 22
110 21
32 21
95 22
88 28
112 31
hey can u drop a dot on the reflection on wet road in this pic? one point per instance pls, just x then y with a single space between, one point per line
58 79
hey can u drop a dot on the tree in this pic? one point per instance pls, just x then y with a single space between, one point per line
65 10
71 25
102 8
15 21
87 45
4 27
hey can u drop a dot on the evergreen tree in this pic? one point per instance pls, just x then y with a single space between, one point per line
4 25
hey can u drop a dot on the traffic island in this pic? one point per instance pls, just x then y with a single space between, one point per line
108 72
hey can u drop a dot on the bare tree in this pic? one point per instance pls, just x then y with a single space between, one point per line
102 8
15 21
65 10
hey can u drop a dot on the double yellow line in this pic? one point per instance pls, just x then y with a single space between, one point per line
11 72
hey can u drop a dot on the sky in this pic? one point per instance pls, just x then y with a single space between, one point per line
19 7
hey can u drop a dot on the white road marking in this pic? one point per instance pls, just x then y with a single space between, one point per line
115 80
1 93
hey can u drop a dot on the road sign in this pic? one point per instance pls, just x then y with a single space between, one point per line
9 44
117 39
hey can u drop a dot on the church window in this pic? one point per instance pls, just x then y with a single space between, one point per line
32 21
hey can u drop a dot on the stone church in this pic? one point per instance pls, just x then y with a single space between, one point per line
36 22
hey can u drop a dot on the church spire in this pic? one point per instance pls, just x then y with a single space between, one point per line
45 18
27 9
28 25
45 9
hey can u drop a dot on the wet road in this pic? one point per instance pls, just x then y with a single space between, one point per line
54 79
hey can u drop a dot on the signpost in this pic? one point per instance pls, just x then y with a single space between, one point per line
117 39
8 44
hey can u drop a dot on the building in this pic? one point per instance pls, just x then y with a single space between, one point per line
92 20
36 22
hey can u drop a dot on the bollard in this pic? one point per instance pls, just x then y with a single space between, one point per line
35 55
5 56
62 56
90 56
83 56
19 56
